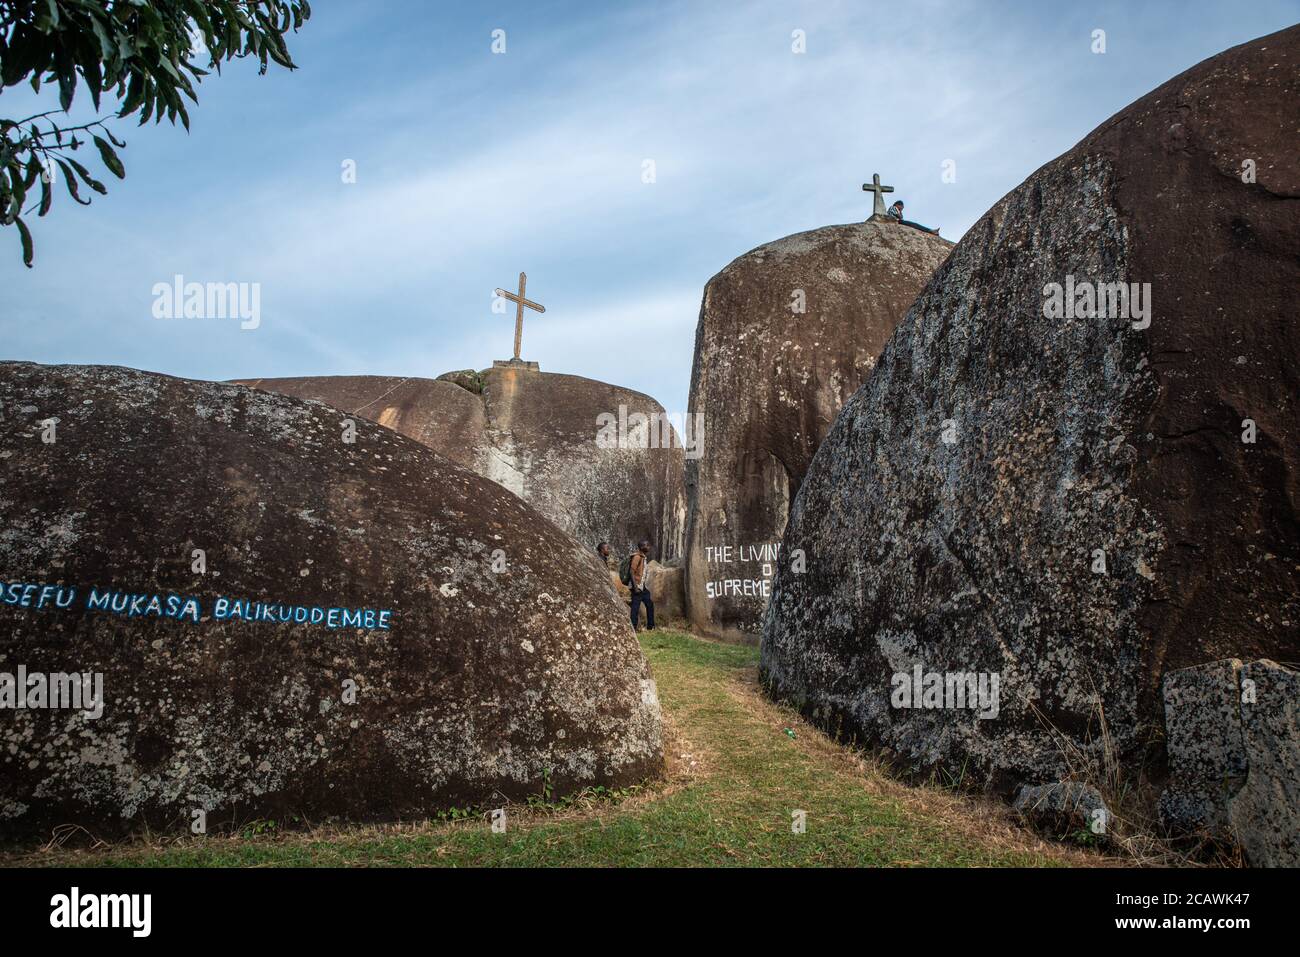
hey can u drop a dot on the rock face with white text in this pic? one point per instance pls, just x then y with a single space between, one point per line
1075 468
787 332
282 618
588 455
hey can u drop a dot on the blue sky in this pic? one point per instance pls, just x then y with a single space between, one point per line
472 166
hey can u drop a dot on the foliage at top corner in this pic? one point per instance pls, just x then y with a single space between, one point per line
146 55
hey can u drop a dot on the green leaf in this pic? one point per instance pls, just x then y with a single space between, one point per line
166 64
19 189
47 197
25 235
106 47
94 78
148 103
67 75
33 171
90 181
110 158
134 95
70 179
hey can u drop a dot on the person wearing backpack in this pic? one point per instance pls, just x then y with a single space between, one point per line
634 572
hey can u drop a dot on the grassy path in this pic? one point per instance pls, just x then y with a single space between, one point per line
735 775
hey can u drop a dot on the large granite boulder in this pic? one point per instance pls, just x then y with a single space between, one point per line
371 631
542 436
787 332
1073 504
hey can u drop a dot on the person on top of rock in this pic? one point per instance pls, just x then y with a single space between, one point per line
896 212
639 569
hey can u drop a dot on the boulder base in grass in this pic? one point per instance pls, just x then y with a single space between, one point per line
1065 809
787 332
444 683
1064 499
536 433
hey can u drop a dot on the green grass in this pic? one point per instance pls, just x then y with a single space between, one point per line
731 807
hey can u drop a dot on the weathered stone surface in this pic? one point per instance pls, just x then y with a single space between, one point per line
769 382
1069 436
1265 814
1065 807
483 683
536 434
542 429
667 587
445 416
1204 743
471 380
1233 740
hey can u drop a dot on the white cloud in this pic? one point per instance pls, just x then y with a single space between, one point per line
472 169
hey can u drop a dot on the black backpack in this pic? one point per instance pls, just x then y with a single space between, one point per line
625 570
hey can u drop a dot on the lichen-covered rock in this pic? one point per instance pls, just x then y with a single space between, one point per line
1077 503
1204 744
1065 808
409 636
576 450
470 380
542 436
441 414
1232 733
666 587
787 332
1265 814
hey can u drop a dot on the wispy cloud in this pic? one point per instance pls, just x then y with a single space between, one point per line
472 167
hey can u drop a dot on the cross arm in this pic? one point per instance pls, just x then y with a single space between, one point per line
526 302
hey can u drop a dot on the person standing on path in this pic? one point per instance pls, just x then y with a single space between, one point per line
640 586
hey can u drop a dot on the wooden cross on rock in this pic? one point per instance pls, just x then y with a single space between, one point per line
520 302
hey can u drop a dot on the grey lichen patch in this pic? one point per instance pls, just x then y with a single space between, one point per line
1233 738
